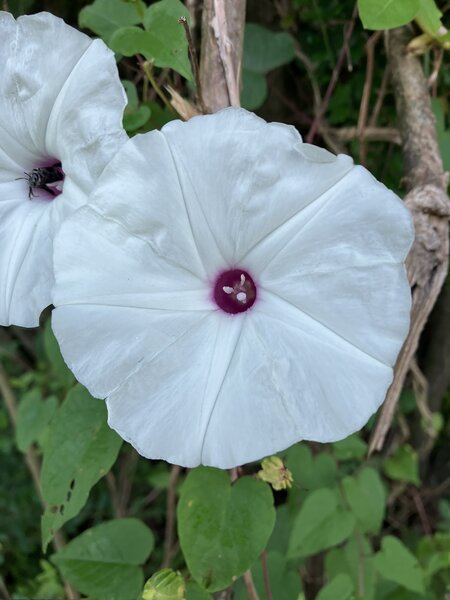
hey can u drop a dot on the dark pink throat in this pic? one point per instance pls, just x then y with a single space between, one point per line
235 291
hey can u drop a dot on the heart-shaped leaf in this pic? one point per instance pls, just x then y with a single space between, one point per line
104 17
163 42
366 497
223 528
396 563
104 562
320 524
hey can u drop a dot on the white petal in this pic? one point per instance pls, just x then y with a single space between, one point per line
98 262
85 126
104 346
141 188
38 53
290 379
247 177
341 262
130 301
164 408
25 257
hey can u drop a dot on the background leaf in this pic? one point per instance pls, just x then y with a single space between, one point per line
386 14
195 592
265 50
104 17
254 90
340 587
58 367
402 466
80 449
396 563
33 416
284 580
163 42
366 497
356 560
320 524
352 448
103 562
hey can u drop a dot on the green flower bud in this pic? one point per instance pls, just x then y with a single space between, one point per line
164 585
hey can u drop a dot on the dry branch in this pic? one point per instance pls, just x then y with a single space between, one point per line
427 199
221 55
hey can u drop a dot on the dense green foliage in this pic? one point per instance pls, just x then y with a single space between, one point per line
350 526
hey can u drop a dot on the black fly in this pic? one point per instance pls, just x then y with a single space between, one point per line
42 178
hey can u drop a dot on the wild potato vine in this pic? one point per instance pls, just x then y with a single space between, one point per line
337 504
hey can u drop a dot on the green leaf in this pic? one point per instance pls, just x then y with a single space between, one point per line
132 95
356 560
320 524
402 466
135 116
265 50
223 528
33 416
341 587
352 448
79 450
159 117
136 119
169 46
366 496
285 582
103 562
58 367
195 592
164 585
310 473
434 553
396 563
254 90
164 40
429 17
386 14
104 17
128 41
283 526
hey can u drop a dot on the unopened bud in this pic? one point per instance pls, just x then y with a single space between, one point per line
164 585
420 44
274 472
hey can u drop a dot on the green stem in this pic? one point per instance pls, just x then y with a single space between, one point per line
149 74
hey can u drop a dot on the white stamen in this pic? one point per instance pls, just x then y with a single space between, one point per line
242 279
242 297
227 289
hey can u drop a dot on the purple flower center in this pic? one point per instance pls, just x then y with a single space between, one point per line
234 291
48 178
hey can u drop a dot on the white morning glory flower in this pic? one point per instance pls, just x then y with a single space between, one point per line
231 290
61 105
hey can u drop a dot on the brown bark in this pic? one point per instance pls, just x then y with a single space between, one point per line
427 199
221 53
436 355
